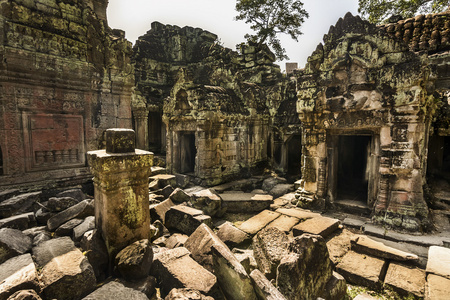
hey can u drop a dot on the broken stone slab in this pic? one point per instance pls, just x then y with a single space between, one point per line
271 182
281 189
6 194
12 243
134 261
190 191
166 191
258 222
439 261
246 259
242 184
246 202
93 245
18 273
25 295
365 245
32 232
298 213
179 196
41 237
59 204
362 269
231 235
305 269
65 273
186 294
336 288
174 268
231 275
353 223
176 240
269 247
437 287
67 228
87 224
158 211
321 226
157 170
164 180
115 291
208 201
73 193
339 245
406 280
18 204
81 210
284 223
280 202
186 219
146 285
264 288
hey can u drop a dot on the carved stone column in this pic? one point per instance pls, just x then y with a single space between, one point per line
141 126
121 190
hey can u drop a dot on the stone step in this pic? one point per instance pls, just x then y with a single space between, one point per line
245 202
353 207
258 222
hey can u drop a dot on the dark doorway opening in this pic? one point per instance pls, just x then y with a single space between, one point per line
154 131
294 149
439 156
188 152
352 175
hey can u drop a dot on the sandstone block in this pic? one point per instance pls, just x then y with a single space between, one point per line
406 280
59 204
18 273
321 226
362 269
81 210
12 243
298 213
97 254
158 211
231 235
264 288
67 228
258 222
65 271
284 223
439 261
134 261
365 245
209 202
186 219
436 287
336 288
176 240
187 294
18 204
87 224
179 196
115 291
164 180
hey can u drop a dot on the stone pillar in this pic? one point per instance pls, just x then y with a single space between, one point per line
121 190
141 125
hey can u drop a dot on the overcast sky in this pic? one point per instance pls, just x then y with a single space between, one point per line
217 16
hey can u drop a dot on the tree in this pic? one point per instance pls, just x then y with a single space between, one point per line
269 18
378 11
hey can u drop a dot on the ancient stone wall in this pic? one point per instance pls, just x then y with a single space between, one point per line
65 77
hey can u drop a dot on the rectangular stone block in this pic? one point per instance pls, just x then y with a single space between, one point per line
321 225
258 222
186 219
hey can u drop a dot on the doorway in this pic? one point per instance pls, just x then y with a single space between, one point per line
155 128
188 152
294 151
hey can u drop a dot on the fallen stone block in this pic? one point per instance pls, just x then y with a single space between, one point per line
232 236
6 194
186 219
405 280
362 269
186 294
25 295
306 268
209 202
439 261
146 285
284 223
12 243
231 275
245 202
320 226
164 180
134 261
182 180
269 247
336 288
174 268
32 232
18 204
81 210
41 237
115 291
246 259
87 224
258 222
18 273
21 222
158 211
67 228
166 191
176 240
437 287
264 288
73 193
93 245
179 196
65 273
43 215
59 204
281 189
271 182
298 213
365 245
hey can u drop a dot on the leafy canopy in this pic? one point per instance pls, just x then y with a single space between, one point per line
378 11
269 18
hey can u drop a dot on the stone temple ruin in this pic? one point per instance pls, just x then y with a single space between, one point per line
363 127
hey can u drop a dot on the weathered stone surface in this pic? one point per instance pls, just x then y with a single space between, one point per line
134 261
269 247
120 140
281 189
436 287
164 180
231 275
271 182
25 295
21 222
87 224
6 194
439 261
43 215
362 269
19 204
298 213
321 226
336 288
32 232
231 235
146 285
365 245
246 259
177 240
41 237
64 272
186 294
67 228
176 269
158 211
179 196
12 243
284 223
306 269
93 245
208 201
18 273
115 291
258 222
406 280
73 193
339 245
166 191
264 288
245 202
81 210
186 219
59 204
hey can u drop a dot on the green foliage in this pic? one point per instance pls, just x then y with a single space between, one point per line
269 18
378 11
